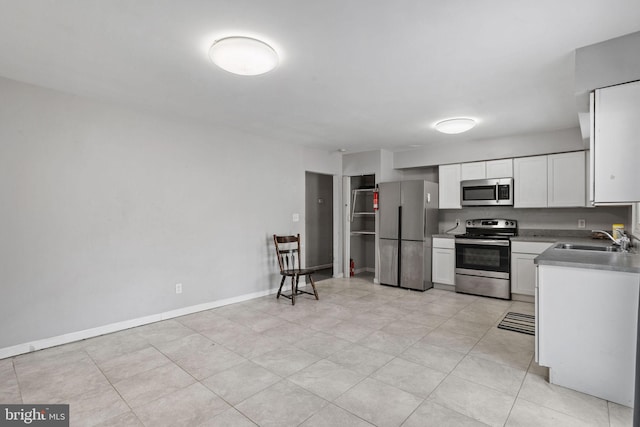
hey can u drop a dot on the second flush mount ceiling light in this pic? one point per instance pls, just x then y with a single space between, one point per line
245 56
455 125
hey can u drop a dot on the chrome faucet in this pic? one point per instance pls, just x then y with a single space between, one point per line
623 241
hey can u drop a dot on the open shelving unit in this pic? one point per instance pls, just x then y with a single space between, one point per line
362 213
361 224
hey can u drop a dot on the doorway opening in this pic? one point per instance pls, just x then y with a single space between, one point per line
319 224
360 227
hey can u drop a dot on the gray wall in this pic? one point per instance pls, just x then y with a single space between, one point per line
429 173
607 63
104 209
604 64
319 219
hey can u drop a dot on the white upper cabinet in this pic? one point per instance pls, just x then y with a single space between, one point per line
530 182
490 169
566 183
615 151
449 190
556 180
473 170
499 168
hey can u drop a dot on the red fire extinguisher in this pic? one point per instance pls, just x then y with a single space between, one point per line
375 199
352 268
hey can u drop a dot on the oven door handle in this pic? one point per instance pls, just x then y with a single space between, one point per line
483 242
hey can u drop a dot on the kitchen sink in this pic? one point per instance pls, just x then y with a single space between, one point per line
587 247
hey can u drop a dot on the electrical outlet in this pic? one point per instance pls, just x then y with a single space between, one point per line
581 223
178 288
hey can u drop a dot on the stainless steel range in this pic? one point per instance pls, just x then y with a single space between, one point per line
483 257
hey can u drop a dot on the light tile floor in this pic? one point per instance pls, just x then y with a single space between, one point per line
363 355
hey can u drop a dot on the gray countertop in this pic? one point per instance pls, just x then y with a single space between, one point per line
563 239
550 239
612 261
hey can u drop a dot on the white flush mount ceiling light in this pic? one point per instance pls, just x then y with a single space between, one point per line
456 125
245 56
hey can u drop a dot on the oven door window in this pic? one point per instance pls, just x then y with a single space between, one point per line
480 192
482 257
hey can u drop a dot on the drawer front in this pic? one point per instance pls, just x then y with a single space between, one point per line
444 243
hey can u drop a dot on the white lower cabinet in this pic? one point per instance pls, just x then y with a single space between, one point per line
586 330
523 274
444 261
523 269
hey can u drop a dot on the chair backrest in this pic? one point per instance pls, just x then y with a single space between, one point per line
288 251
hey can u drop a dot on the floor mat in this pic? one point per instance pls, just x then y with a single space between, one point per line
518 322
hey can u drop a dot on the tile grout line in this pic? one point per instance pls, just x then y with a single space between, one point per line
15 373
515 400
358 308
114 389
453 369
468 354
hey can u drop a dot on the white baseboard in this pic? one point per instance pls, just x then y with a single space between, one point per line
321 266
127 324
364 270
523 298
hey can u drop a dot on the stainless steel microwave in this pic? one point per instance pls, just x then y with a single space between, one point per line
487 192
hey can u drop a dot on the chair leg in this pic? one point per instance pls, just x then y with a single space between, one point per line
313 285
294 279
280 288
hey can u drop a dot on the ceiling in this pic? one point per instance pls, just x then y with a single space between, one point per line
354 74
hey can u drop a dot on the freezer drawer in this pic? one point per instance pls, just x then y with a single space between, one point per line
389 262
416 265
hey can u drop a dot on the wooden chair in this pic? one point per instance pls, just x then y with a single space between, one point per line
289 255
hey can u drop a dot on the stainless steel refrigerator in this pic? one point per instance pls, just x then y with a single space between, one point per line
408 219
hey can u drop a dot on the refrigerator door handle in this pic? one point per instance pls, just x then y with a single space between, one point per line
424 229
400 245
